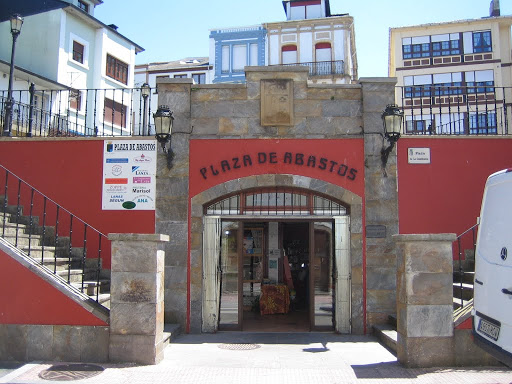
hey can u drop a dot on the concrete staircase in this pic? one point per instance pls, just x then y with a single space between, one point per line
61 259
463 280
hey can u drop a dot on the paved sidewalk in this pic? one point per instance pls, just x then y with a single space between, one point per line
277 358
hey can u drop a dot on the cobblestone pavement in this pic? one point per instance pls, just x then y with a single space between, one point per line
274 358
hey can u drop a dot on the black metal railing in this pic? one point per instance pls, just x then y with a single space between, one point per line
52 236
465 267
323 68
79 112
456 110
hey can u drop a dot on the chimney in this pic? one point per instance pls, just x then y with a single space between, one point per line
494 10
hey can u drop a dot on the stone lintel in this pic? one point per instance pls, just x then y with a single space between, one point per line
451 237
138 237
277 68
391 80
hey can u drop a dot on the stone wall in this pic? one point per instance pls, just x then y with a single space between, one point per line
233 112
25 342
425 300
381 203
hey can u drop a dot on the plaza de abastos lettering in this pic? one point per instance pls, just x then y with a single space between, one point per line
298 159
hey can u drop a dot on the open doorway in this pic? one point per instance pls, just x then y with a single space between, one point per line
277 276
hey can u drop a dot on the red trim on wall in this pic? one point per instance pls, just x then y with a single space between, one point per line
337 161
323 46
304 3
445 195
25 298
70 173
289 48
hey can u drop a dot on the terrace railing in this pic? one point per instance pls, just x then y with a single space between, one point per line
479 109
323 68
79 112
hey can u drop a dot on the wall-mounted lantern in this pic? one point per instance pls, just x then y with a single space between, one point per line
163 127
392 119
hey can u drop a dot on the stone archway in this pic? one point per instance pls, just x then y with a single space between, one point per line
348 198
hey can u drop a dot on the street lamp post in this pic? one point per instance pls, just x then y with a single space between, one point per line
16 23
145 91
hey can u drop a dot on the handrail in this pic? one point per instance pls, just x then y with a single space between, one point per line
57 255
461 271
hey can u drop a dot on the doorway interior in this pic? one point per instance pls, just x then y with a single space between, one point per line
277 276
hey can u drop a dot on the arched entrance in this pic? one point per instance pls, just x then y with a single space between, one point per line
279 258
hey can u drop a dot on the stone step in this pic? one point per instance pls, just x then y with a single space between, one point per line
467 277
91 287
24 239
458 303
171 331
75 275
387 335
463 291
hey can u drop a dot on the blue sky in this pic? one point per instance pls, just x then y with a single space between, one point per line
175 29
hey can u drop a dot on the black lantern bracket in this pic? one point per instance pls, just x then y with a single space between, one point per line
164 119
392 118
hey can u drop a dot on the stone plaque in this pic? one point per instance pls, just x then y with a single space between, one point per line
276 102
376 231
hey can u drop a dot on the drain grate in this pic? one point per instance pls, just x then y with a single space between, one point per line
70 372
239 347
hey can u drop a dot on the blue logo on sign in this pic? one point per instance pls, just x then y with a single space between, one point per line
117 161
135 168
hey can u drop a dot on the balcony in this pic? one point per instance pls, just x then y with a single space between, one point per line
472 110
78 113
323 68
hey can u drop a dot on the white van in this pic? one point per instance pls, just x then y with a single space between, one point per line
492 314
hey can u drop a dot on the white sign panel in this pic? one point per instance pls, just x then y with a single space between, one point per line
129 172
419 155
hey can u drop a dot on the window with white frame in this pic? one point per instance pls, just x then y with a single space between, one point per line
239 57
447 83
235 57
482 123
418 86
225 58
310 9
482 41
419 124
83 6
323 52
75 99
253 54
416 47
446 44
199 78
479 81
289 54
78 50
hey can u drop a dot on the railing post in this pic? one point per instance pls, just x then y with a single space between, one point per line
32 91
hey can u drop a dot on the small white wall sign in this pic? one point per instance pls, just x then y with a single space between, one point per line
418 155
129 171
